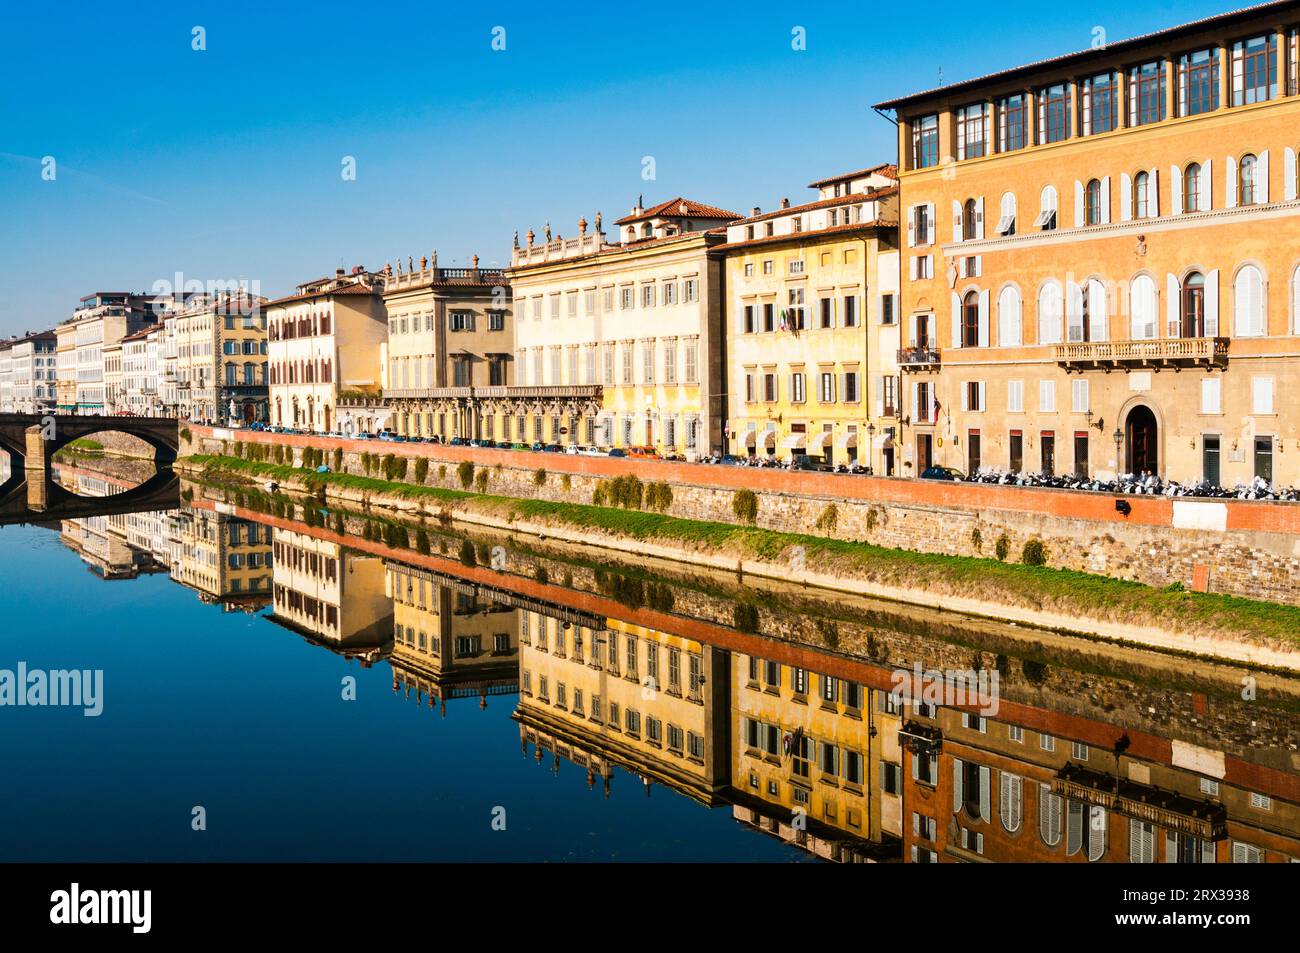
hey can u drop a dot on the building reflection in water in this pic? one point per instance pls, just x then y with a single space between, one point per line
787 721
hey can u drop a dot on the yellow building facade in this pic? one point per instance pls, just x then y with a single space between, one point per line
1099 259
812 327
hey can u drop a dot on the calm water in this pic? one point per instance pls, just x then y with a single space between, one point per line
753 723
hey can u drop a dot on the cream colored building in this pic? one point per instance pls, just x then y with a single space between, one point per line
325 342
226 560
331 595
90 338
621 342
812 324
450 342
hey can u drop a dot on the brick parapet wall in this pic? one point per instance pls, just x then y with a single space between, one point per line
1252 549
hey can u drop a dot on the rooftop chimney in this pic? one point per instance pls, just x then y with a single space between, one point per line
785 203
338 272
755 211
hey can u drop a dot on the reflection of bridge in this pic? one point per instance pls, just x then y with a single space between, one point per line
36 500
53 432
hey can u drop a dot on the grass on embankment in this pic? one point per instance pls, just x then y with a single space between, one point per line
82 445
1043 588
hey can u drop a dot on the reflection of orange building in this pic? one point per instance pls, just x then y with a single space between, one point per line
448 640
976 789
814 760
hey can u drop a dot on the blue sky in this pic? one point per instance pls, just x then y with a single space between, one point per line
225 163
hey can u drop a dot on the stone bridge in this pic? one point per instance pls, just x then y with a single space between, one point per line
32 451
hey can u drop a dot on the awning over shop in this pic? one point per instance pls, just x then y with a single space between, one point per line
749 438
820 440
848 441
795 441
884 442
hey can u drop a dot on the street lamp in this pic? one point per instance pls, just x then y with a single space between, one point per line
1119 439
871 444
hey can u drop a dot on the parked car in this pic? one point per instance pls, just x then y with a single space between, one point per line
590 452
456 442
617 452
520 446
648 453
553 448
942 473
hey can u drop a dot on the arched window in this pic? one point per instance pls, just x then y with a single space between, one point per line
1047 204
1049 815
1192 188
1095 311
1009 328
968 212
1007 214
1142 308
1249 314
1010 806
1141 186
1193 306
1050 309
1247 194
1092 203
970 320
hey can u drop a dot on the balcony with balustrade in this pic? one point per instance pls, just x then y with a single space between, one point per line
1155 353
918 358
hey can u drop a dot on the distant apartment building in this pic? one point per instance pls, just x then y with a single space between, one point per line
88 347
221 350
140 373
325 345
812 324
32 374
620 343
1099 269
450 347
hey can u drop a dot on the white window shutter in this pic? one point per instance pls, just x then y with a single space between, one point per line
956 320
932 224
983 402
1288 176
979 265
1176 189
916 758
1097 316
1207 185
911 261
916 415
1171 847
1171 306
1073 313
956 785
965 396
1078 204
1212 304
911 231
1125 197
911 331
956 221
1096 832
1230 183
979 217
986 787
1074 811
984 318
1261 179
1153 193
1105 200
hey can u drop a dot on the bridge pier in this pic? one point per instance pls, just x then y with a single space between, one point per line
35 460
38 492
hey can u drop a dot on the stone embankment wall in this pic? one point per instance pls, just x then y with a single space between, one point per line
1245 548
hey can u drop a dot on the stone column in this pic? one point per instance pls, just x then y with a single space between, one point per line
35 461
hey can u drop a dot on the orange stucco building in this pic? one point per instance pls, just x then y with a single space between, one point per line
1101 259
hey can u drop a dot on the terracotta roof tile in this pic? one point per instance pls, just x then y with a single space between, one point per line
678 208
817 235
887 169
852 199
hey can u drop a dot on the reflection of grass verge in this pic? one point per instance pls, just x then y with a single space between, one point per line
1038 587
82 445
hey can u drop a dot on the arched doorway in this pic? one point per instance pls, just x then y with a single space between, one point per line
1142 435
